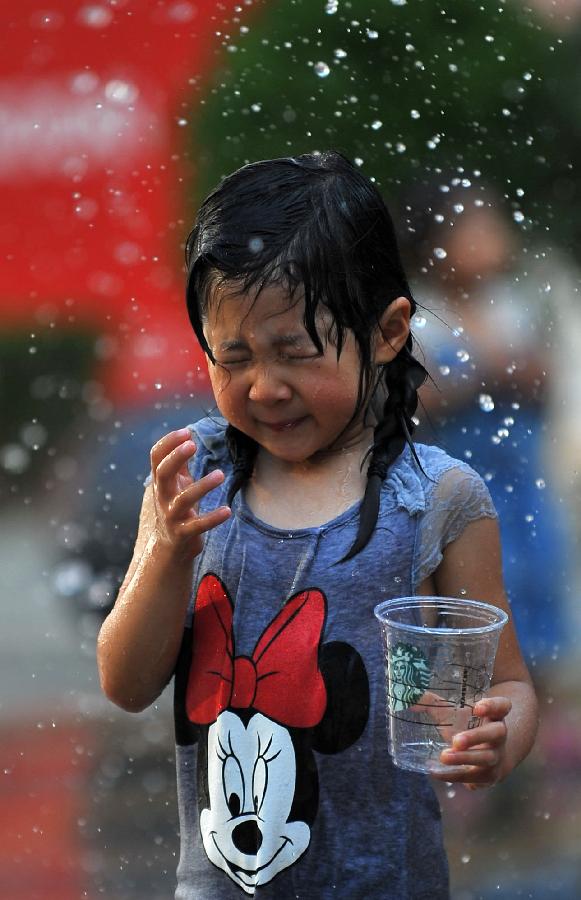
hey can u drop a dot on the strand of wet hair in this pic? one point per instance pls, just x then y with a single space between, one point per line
402 377
243 451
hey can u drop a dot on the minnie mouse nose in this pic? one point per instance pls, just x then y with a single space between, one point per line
247 838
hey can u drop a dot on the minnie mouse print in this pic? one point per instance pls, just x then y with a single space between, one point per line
258 720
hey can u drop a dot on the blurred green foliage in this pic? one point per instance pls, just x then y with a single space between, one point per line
412 89
43 390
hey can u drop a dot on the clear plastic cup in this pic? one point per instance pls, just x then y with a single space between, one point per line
439 659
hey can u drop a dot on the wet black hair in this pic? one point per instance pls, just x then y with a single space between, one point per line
314 224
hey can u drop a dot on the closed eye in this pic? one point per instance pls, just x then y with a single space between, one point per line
232 362
283 358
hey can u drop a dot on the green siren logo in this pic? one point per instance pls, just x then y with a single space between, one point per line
409 675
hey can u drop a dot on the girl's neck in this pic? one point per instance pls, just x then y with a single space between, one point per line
312 492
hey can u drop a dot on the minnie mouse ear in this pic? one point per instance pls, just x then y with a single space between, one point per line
347 708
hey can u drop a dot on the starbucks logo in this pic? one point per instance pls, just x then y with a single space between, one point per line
409 675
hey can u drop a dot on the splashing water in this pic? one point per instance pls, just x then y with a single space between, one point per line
486 403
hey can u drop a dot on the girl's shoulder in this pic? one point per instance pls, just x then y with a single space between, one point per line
209 435
434 480
446 495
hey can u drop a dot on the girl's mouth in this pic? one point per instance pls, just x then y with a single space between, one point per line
284 425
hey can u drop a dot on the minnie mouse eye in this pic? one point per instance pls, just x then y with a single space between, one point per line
234 804
233 785
259 782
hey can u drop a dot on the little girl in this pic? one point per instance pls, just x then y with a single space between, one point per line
269 533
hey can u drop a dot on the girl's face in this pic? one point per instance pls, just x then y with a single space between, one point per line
270 381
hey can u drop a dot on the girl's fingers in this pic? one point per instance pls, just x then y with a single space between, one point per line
493 708
471 776
166 444
205 522
489 733
484 758
181 506
170 466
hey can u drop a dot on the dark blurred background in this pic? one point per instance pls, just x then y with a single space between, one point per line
116 118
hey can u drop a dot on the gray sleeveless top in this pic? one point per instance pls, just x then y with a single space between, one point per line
285 786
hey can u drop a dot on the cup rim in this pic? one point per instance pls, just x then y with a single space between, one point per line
453 603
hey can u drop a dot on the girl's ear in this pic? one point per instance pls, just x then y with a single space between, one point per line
393 331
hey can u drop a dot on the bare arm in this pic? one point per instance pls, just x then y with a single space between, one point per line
140 639
472 567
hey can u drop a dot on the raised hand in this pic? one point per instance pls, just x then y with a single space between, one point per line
176 495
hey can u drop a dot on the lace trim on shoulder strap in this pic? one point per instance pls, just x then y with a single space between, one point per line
459 497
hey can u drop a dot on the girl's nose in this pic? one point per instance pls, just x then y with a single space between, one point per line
267 387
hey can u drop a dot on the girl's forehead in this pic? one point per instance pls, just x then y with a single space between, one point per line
270 309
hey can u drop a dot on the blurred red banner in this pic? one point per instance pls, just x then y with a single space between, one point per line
94 103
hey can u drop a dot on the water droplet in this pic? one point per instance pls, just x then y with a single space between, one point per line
540 483
84 83
372 35
399 2
256 107
458 208
450 793
255 244
440 253
331 7
527 76
400 147
444 370
414 114
463 355
182 122
438 217
340 54
503 432
376 125
95 16
518 216
419 321
486 403
529 518
121 91
547 288
321 69
14 458
465 858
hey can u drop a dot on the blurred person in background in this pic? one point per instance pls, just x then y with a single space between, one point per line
486 333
